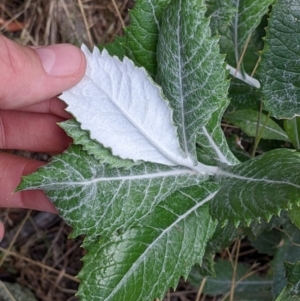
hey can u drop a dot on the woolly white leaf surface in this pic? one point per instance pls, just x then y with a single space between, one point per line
124 110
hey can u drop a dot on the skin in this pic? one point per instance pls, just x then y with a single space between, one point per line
31 78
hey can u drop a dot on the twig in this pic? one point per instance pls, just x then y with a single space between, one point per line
200 289
259 132
234 270
15 236
118 13
289 237
85 23
238 67
7 252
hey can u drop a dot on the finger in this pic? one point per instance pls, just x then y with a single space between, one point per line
2 231
12 169
53 106
31 75
32 131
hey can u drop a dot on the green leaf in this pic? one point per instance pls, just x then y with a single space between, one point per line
141 262
266 242
244 23
212 141
243 96
253 287
95 199
293 278
285 296
294 214
288 250
280 65
258 227
92 147
235 145
222 238
142 34
191 70
115 48
258 188
292 128
247 17
221 13
247 120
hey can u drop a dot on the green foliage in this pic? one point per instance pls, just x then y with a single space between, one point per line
245 187
178 226
186 55
292 128
142 34
288 251
251 121
164 188
249 286
279 70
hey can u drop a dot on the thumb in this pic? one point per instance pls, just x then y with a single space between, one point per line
30 75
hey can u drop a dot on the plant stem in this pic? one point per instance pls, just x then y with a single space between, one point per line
206 169
244 77
259 132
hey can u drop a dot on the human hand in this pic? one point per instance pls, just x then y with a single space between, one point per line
29 112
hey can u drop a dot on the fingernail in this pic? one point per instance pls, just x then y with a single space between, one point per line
60 60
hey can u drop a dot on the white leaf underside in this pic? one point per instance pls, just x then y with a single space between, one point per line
124 110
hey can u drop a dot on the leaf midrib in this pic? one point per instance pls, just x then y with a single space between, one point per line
180 72
239 177
173 172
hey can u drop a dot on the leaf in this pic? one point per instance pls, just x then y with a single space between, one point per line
266 242
222 238
92 147
190 69
247 17
212 141
293 278
115 48
280 65
247 120
245 22
143 261
15 292
221 13
292 128
95 199
288 250
285 296
294 214
124 111
243 96
142 34
258 188
253 287
258 227
235 145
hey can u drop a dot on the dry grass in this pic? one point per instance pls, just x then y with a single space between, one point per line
44 22
36 251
